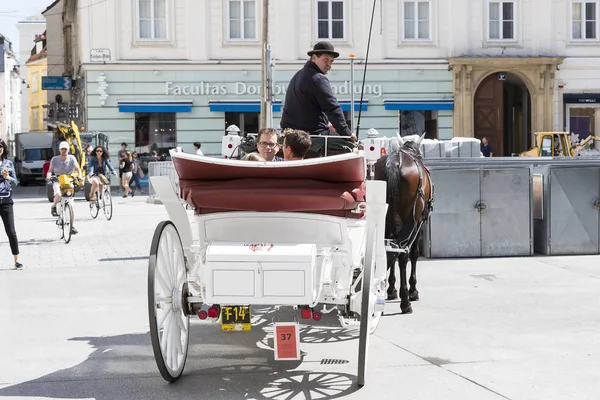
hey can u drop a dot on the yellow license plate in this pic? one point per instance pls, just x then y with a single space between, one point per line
235 318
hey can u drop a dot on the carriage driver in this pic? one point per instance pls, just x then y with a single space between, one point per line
64 163
309 101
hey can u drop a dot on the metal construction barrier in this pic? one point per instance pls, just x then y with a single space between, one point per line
162 168
480 211
513 206
567 209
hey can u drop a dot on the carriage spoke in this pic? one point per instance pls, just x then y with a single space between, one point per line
162 282
177 341
171 346
165 262
181 322
166 333
171 258
163 317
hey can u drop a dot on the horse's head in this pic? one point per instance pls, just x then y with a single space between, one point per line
411 146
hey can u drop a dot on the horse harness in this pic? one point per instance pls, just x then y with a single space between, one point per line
406 245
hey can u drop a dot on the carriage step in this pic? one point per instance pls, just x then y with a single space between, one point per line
394 249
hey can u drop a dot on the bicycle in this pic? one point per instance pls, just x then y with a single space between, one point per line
64 208
103 201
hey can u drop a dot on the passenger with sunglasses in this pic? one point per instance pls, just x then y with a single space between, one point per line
267 144
99 164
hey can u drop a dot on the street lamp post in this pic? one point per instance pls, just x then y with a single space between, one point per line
264 66
352 56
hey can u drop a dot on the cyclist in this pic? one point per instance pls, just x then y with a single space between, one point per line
99 164
63 164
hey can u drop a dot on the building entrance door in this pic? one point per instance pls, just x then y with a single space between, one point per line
502 114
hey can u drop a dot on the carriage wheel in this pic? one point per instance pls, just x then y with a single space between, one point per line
67 221
94 207
369 319
167 294
107 204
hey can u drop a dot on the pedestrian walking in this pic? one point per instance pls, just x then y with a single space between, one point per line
135 173
8 180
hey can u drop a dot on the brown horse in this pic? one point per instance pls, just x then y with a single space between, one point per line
409 198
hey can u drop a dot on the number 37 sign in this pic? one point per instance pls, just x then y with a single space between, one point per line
286 339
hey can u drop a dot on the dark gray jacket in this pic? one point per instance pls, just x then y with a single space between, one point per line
310 104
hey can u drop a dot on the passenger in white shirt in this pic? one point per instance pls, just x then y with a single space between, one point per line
197 146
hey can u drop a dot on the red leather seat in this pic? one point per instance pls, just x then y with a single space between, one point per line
329 185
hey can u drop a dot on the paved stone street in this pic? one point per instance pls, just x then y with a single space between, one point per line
74 325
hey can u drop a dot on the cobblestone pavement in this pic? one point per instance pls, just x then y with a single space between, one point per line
123 240
74 325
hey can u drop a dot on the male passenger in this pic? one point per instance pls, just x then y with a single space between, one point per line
267 144
296 144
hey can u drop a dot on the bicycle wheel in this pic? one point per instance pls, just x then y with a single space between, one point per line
107 204
67 216
94 207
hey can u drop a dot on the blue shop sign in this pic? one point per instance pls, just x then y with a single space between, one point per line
57 83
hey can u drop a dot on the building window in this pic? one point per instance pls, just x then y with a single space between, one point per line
152 19
35 119
247 122
35 85
584 20
501 20
242 19
417 20
330 19
418 122
155 131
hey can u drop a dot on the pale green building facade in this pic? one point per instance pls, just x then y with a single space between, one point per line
161 107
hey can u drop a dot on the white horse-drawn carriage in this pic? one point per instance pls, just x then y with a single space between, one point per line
305 234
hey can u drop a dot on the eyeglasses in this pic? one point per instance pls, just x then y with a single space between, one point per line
268 144
99 151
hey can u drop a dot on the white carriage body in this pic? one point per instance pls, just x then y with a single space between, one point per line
315 257
312 262
294 233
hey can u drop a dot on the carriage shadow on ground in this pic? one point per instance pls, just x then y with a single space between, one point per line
219 366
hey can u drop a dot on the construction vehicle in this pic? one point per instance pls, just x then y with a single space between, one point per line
81 144
555 144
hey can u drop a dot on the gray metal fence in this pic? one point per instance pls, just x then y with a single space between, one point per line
162 168
480 211
567 209
513 206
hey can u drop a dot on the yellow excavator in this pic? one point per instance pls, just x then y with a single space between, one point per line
81 143
555 144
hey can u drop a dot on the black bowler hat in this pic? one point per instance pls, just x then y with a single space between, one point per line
325 48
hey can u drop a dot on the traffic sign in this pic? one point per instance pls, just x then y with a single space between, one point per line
57 83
